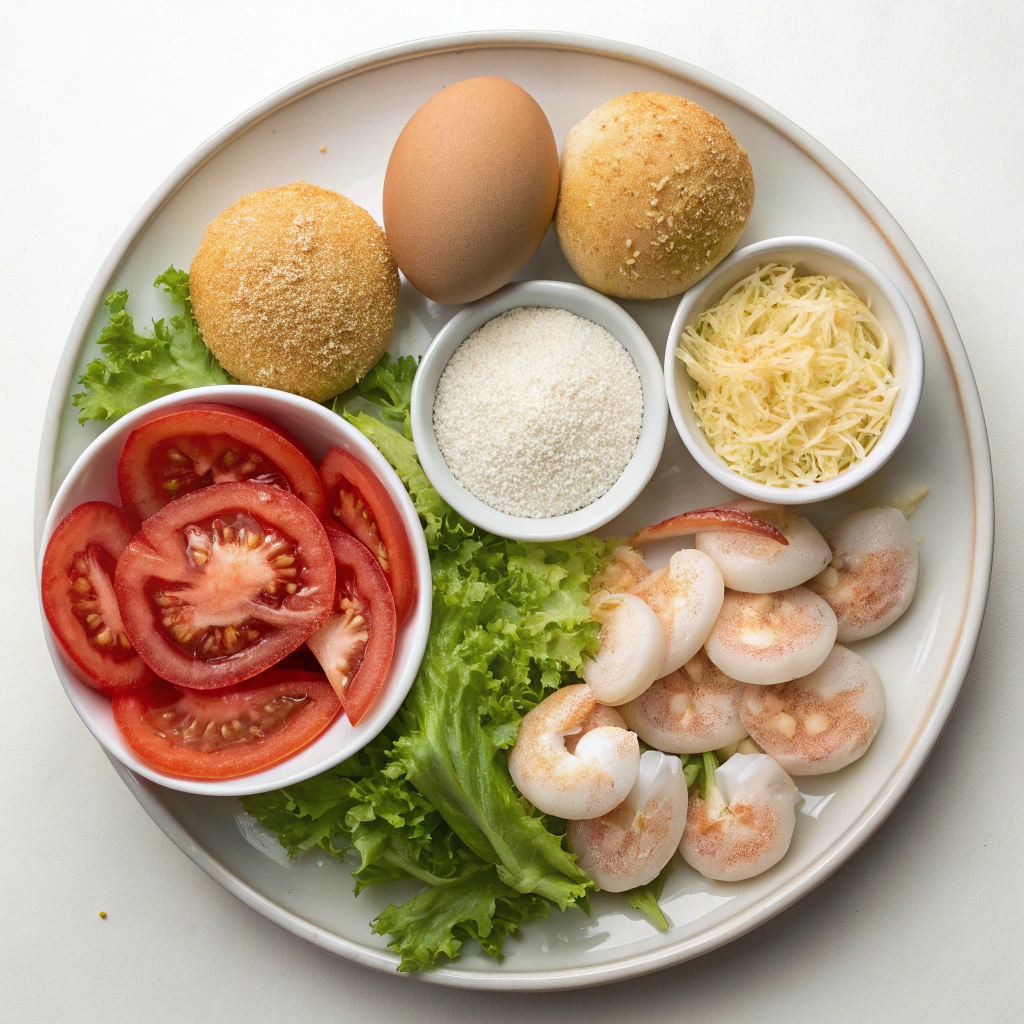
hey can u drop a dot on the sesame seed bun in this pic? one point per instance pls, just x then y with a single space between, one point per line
655 191
294 288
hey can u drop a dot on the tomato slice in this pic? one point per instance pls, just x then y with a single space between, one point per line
356 644
301 658
78 596
224 582
225 733
186 449
358 500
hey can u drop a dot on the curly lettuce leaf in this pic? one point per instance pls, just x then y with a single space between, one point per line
388 386
138 367
506 630
439 920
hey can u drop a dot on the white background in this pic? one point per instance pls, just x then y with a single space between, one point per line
99 102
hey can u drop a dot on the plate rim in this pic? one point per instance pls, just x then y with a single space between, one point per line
928 291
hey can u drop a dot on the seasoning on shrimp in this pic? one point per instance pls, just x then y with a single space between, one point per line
792 377
574 758
745 821
872 577
630 844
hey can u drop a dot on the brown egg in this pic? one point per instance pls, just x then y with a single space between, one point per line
470 189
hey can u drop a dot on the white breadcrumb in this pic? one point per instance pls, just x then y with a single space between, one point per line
538 412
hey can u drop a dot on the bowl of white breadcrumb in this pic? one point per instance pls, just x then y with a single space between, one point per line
539 412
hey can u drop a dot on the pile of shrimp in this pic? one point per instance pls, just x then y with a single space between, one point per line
736 647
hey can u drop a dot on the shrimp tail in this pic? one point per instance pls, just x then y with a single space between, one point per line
716 517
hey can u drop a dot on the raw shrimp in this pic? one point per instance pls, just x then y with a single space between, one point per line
819 723
632 648
686 595
622 572
759 565
628 846
574 758
873 575
745 823
689 711
771 638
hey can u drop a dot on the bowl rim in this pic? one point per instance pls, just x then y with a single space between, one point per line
911 379
275 776
644 461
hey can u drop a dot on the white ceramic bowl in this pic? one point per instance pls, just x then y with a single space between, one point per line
93 478
810 256
592 306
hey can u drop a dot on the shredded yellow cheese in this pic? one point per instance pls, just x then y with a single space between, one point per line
791 376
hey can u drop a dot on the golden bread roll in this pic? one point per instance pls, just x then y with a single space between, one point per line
655 191
294 288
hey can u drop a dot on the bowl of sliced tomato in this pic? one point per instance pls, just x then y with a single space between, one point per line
236 590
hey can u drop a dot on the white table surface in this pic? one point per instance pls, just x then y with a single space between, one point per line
99 102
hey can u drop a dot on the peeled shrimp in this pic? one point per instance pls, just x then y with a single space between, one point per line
873 575
632 648
745 823
574 758
819 723
771 638
622 572
759 565
629 846
686 595
689 711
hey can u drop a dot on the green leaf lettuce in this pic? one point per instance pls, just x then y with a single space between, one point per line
136 368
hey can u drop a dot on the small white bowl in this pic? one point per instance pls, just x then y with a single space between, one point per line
93 478
591 306
810 256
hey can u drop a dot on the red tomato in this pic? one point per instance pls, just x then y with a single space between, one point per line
186 449
361 503
301 658
78 596
225 733
224 582
356 644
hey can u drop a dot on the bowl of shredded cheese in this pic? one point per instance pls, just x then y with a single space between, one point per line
539 411
793 370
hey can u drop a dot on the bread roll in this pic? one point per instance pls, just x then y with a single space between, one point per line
294 288
655 191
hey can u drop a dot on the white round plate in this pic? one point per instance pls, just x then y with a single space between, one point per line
356 109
